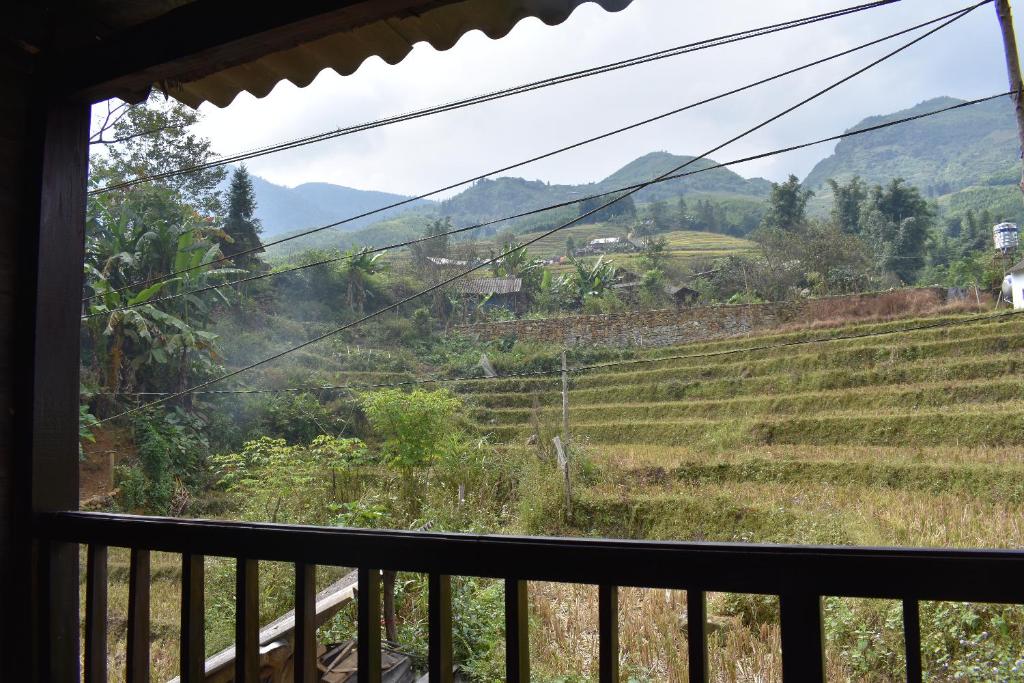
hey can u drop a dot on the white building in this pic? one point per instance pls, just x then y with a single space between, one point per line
1013 285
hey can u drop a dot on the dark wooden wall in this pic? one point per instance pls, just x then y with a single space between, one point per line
43 166
14 158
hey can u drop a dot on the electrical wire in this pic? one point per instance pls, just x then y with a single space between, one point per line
550 207
498 94
540 157
494 259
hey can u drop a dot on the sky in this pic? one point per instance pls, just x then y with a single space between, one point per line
963 60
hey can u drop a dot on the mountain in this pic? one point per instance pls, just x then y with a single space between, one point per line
717 181
289 209
489 199
971 147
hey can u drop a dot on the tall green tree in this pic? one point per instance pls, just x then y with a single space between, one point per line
155 137
682 214
241 225
846 204
896 221
787 206
659 217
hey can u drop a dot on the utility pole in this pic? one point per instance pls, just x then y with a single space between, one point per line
1013 72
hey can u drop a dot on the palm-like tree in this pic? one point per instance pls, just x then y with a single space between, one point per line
590 279
516 262
360 269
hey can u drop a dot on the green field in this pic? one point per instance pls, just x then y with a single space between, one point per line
685 246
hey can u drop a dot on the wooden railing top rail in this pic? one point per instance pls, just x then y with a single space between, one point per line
918 573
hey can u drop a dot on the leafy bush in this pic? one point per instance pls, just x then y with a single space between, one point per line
413 425
272 481
172 450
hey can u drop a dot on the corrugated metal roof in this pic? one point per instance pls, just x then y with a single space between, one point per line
488 285
390 39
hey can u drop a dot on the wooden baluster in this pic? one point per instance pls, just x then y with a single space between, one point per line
138 618
608 633
247 621
192 652
368 642
96 615
803 652
517 632
912 639
305 623
697 635
439 609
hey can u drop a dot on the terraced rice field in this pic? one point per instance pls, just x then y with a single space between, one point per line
684 245
788 442
911 439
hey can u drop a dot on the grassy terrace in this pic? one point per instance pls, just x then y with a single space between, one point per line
909 439
683 245
925 414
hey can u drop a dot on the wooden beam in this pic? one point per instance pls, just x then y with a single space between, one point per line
439 616
137 662
247 620
912 639
368 626
48 290
305 623
517 631
192 655
96 615
608 633
209 36
803 641
697 634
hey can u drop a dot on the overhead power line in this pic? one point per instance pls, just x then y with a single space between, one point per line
494 259
610 364
550 207
540 157
499 94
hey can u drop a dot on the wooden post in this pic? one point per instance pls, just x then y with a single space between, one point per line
517 631
563 465
390 619
439 618
1005 18
42 583
565 401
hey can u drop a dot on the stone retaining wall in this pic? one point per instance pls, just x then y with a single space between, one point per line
666 327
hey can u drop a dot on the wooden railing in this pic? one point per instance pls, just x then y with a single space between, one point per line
800 575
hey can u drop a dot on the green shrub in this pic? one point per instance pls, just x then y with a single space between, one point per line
172 451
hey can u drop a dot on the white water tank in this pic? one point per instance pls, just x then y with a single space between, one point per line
1006 236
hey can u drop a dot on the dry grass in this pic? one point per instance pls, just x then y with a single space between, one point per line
652 638
637 456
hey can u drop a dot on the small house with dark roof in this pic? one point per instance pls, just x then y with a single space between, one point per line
492 291
681 295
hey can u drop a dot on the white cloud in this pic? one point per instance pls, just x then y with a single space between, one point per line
963 60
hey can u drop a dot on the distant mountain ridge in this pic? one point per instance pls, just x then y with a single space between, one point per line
964 159
493 198
973 146
283 209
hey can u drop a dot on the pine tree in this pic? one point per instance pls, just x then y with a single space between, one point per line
241 225
682 214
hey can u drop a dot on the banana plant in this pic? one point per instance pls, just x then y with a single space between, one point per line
590 279
360 269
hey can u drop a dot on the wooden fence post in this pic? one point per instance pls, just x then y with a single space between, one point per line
565 401
563 465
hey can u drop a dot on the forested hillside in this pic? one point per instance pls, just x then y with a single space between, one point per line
974 146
